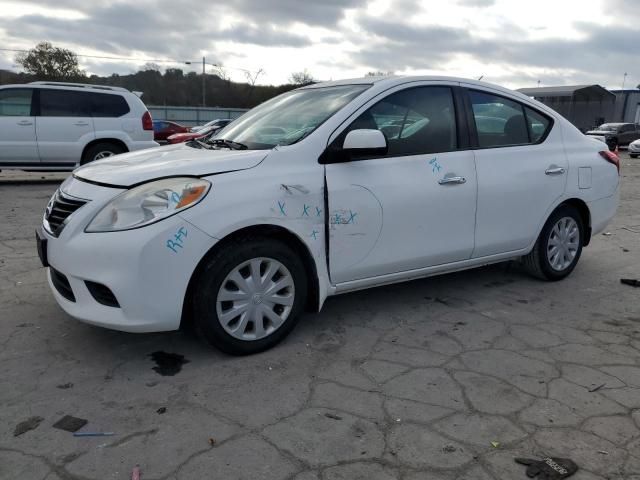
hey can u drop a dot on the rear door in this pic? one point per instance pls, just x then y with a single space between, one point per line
411 208
522 170
64 126
18 143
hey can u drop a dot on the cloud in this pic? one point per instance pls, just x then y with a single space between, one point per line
344 38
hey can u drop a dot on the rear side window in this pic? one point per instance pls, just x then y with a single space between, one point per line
15 102
415 121
501 122
105 105
64 103
537 124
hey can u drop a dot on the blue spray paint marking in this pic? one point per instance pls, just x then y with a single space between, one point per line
352 218
178 240
318 211
314 233
305 210
337 218
435 166
281 205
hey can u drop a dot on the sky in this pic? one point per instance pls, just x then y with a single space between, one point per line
514 43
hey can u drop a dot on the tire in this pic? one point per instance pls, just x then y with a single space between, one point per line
633 155
538 262
212 308
101 150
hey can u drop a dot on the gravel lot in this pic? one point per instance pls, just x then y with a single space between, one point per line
412 381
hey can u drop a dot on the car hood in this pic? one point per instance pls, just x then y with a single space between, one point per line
142 166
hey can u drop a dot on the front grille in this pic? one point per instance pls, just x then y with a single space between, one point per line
61 283
59 209
102 294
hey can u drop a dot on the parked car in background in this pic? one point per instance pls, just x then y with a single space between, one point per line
163 129
219 123
305 197
634 149
185 137
616 134
58 126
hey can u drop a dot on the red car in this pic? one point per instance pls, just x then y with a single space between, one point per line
185 137
163 129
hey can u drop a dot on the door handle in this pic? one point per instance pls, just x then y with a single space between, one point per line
25 123
554 171
452 180
81 124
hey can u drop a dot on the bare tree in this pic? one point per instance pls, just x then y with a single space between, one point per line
252 77
301 78
151 67
379 73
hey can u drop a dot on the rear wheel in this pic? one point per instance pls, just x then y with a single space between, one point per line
248 296
101 150
633 155
559 245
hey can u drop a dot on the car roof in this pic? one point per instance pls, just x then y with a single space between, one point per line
389 81
78 87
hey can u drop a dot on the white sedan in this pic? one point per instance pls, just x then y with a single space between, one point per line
634 149
326 189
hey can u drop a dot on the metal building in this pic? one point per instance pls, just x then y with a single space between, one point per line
586 106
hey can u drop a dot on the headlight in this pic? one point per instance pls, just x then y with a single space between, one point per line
149 203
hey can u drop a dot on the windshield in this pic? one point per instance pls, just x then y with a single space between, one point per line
289 117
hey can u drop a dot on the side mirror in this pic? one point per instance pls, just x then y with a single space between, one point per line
358 145
365 142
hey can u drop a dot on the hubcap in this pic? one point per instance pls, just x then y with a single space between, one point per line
255 299
563 243
103 154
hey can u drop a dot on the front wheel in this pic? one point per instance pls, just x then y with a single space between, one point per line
633 155
559 245
248 296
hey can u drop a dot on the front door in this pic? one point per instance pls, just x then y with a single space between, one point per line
18 143
411 208
64 126
522 171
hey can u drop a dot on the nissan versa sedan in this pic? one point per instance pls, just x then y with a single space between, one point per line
323 190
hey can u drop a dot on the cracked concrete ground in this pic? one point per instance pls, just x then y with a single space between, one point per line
412 381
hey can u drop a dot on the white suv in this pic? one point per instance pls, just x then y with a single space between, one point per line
58 126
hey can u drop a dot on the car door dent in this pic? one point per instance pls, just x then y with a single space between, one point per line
354 226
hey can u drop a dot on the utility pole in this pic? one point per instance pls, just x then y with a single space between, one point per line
624 80
204 103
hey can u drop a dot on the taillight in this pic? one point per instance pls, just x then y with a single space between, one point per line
147 122
611 157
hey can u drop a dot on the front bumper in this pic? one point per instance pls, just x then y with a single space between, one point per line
634 148
147 278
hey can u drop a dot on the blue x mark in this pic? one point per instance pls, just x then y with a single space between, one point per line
305 210
281 205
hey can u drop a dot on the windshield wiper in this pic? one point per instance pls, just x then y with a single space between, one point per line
198 144
228 143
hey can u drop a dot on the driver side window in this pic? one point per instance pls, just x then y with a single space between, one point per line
415 121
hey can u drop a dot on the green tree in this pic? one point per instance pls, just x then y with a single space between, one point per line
47 62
